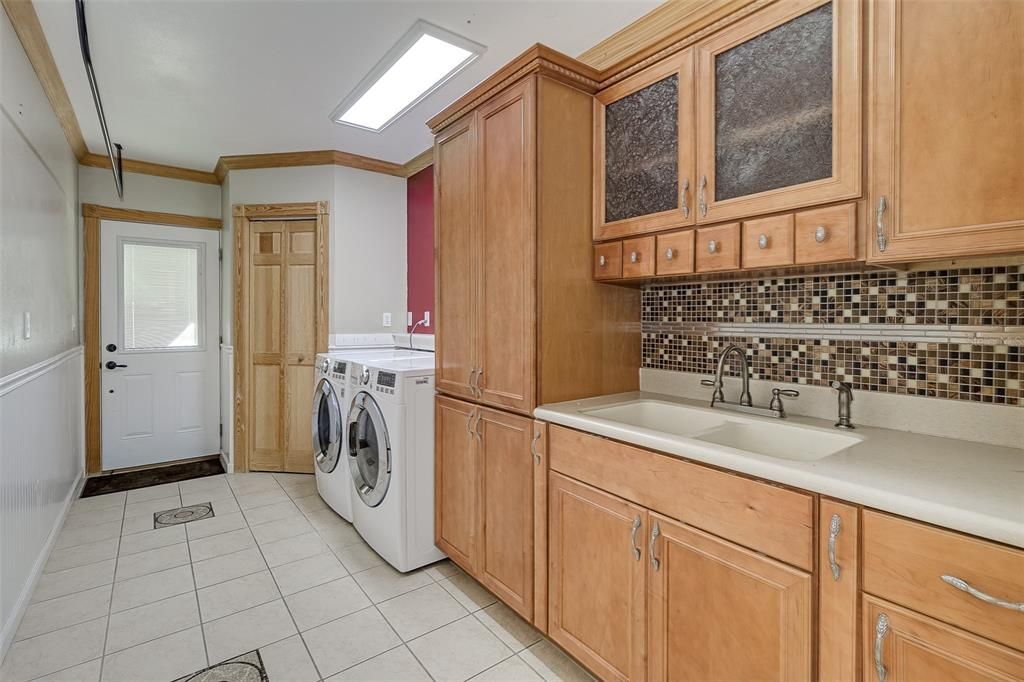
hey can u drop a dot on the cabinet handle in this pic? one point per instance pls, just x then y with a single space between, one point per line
476 426
881 628
712 246
880 223
655 532
834 526
533 447
820 234
682 197
479 376
634 257
762 241
602 261
632 538
669 254
963 586
469 421
701 203
472 381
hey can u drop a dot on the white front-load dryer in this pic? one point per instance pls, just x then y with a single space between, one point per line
330 407
390 452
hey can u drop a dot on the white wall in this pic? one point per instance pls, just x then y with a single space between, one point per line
367 245
149 193
41 376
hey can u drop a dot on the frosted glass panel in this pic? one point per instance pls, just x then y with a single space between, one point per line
773 108
161 291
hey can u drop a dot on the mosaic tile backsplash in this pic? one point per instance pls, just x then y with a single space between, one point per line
955 334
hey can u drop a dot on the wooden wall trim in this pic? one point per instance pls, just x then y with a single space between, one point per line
148 168
91 337
26 24
136 216
306 209
418 163
323 157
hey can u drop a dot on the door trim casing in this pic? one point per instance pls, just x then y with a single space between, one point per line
242 216
92 215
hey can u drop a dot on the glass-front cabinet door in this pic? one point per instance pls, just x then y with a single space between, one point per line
779 110
644 151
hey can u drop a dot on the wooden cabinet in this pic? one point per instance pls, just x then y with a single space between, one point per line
484 489
838 596
674 253
597 578
608 261
932 79
721 612
644 147
900 645
779 110
718 248
638 257
768 242
826 235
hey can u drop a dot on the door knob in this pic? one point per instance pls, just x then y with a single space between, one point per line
111 348
113 365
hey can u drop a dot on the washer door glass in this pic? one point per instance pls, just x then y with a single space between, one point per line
326 427
369 449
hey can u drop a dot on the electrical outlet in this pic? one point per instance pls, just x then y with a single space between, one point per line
387 320
408 319
28 325
426 318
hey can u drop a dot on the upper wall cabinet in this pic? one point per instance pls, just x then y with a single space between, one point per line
644 151
779 110
947 135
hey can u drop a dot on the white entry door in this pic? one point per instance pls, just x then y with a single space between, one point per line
159 333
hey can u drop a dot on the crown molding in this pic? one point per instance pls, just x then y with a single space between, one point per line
138 216
418 162
148 168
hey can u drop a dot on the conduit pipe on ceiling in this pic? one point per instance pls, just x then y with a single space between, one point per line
83 39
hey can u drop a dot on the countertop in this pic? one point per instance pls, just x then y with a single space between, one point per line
970 487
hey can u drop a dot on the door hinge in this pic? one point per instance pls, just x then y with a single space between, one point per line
221 339
222 429
220 254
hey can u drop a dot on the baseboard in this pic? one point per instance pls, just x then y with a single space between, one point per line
10 628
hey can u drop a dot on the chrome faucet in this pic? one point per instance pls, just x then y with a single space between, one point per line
745 404
845 398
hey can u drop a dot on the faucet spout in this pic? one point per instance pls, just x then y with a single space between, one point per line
745 398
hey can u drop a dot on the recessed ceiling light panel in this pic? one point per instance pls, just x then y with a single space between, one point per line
418 64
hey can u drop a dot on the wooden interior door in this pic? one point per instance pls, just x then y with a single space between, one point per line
951 71
900 645
597 578
456 481
455 264
506 493
721 612
506 312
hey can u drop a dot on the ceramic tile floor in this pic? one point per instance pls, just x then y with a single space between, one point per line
275 570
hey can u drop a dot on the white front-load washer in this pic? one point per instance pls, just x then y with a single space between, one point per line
390 448
330 408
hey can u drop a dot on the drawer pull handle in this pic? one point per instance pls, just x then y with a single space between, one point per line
682 197
533 447
963 586
632 538
834 526
712 246
670 254
655 532
881 628
634 256
820 234
702 204
602 261
880 224
762 241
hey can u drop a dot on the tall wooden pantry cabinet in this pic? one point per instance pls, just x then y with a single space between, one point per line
520 322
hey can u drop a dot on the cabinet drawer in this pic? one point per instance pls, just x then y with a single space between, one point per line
608 260
905 562
675 253
768 242
824 235
718 248
776 521
638 257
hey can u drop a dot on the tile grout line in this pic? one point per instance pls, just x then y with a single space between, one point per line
113 582
195 586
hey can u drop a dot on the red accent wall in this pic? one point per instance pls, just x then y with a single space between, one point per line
420 246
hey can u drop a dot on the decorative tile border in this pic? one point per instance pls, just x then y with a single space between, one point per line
955 334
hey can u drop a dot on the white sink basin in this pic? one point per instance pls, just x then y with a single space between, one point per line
660 416
779 440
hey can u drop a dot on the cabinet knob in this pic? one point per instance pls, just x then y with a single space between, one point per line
712 246
634 257
762 241
820 234
670 254
601 261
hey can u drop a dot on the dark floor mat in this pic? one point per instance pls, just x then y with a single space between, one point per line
130 480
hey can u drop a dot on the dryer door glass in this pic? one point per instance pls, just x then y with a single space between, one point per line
369 450
326 427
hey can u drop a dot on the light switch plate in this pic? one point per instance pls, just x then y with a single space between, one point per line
387 320
27 333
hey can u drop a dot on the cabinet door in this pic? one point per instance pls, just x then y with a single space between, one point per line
455 262
947 159
505 565
721 612
838 557
900 645
596 578
507 250
644 151
456 481
779 110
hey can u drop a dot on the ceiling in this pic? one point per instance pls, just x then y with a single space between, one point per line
186 81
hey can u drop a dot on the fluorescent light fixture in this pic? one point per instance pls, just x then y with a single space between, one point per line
418 64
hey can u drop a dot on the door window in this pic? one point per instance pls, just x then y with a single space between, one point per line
369 450
161 295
